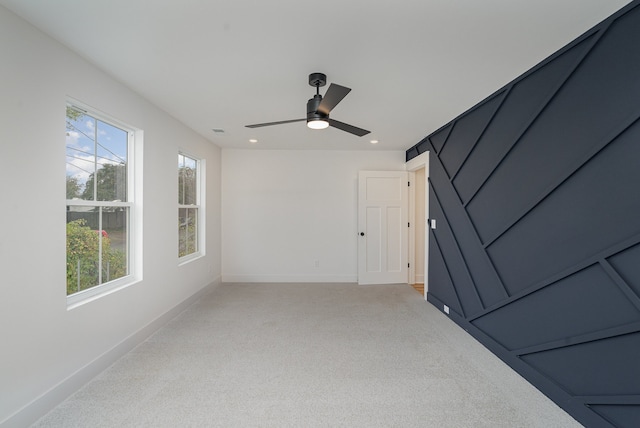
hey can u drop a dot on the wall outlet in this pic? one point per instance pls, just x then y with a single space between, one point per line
446 309
317 263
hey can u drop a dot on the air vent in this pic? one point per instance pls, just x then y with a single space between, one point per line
218 131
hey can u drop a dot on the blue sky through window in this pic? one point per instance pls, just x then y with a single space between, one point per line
91 144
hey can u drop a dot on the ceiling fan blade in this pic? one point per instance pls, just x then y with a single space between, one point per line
348 128
259 125
332 97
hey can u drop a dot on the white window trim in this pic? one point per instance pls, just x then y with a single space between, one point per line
200 192
134 202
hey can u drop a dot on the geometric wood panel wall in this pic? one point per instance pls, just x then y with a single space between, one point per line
536 196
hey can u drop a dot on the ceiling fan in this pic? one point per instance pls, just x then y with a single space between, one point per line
318 108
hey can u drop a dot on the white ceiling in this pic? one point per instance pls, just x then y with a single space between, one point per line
413 65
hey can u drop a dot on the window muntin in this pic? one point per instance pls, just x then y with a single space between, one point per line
99 203
188 205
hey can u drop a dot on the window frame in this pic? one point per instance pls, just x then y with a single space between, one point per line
133 218
198 206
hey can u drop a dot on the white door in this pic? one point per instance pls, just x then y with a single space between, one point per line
383 227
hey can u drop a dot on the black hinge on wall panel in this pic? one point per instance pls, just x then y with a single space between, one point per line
408 224
408 265
408 184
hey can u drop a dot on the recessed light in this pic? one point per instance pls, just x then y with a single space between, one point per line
374 141
253 141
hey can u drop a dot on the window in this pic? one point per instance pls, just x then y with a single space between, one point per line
99 201
188 206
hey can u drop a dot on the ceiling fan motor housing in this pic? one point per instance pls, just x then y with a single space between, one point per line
312 109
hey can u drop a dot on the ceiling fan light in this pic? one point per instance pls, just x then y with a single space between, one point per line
317 123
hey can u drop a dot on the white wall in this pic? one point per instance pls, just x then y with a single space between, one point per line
44 346
284 210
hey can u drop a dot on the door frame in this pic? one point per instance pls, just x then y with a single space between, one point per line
419 162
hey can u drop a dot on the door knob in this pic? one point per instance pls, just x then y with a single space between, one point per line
361 233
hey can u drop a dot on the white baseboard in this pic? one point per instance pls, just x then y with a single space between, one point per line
56 395
289 278
419 279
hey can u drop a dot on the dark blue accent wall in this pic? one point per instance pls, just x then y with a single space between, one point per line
536 194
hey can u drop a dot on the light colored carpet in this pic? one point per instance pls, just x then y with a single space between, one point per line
309 355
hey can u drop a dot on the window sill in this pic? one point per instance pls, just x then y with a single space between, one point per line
189 258
89 295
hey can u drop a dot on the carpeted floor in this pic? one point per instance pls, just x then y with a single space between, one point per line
309 355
